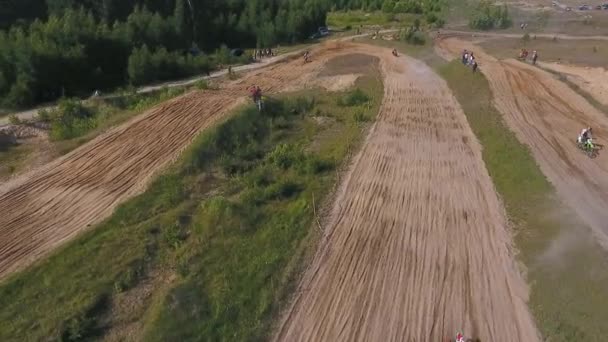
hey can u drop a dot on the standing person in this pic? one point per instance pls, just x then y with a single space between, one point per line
534 57
258 95
253 92
474 65
465 57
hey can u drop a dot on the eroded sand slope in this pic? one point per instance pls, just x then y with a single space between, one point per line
418 245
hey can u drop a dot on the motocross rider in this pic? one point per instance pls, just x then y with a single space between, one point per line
585 135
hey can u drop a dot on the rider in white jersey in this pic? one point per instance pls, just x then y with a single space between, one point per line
585 135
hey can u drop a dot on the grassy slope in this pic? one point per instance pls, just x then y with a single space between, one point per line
567 270
220 236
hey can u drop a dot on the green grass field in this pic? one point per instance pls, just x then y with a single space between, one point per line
351 20
213 247
566 269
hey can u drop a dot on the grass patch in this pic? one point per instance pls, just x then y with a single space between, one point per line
567 269
348 20
227 229
13 158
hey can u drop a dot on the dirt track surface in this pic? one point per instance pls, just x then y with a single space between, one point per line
447 33
592 80
417 246
547 116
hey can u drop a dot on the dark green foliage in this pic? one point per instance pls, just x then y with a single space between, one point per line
69 119
488 16
87 45
354 98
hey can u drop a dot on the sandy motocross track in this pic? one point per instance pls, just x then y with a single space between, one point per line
418 246
547 116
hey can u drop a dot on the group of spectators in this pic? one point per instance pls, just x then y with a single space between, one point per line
468 59
262 53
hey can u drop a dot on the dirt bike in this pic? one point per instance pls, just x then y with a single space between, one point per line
259 103
588 148
460 338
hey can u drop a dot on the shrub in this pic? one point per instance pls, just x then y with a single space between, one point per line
14 119
203 85
285 156
412 36
488 16
285 188
354 98
44 115
70 119
360 116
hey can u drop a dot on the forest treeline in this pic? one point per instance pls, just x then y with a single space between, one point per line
55 48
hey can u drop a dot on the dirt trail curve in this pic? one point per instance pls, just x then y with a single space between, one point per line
418 245
547 116
46 207
448 33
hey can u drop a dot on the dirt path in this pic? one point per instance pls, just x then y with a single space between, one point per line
547 116
448 33
418 245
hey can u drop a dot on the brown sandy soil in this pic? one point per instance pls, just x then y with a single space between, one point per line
48 206
592 80
547 115
581 52
417 246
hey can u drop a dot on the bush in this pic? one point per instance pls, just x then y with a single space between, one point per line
488 16
408 6
300 105
44 115
360 116
285 156
14 119
412 36
70 119
205 85
354 98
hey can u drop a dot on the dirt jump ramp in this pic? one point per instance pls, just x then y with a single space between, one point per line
417 246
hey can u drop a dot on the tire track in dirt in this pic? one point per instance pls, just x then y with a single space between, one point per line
547 116
49 206
417 245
